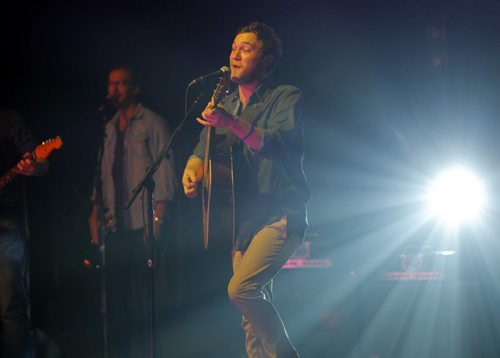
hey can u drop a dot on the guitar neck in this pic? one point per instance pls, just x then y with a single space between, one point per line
7 178
11 174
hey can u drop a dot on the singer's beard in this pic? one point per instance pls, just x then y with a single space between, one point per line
122 103
115 102
244 79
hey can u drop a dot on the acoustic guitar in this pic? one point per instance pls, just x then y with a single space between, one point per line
217 189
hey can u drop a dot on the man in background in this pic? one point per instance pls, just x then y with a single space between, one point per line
133 138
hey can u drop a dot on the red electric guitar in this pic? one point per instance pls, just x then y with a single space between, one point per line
41 152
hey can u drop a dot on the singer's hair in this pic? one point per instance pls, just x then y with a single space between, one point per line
271 42
132 74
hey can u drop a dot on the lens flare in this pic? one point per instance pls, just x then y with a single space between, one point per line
456 196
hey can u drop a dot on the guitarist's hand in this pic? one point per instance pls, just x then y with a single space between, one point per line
28 166
215 116
193 174
94 226
219 117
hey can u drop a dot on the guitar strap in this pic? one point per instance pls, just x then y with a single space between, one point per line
236 111
207 187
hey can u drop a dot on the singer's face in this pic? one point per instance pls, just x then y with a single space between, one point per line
120 88
246 59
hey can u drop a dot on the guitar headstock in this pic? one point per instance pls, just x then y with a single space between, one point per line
43 150
221 89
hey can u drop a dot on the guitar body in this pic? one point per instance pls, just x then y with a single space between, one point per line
218 193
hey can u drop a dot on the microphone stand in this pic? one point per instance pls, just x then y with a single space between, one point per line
25 234
148 183
102 231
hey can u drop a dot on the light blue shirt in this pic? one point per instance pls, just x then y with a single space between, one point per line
144 138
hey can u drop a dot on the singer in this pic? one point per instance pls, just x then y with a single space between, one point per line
263 127
133 138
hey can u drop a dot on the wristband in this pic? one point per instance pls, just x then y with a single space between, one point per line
248 134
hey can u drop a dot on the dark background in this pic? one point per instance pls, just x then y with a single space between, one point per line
395 91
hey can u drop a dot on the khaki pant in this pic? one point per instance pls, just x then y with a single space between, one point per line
250 291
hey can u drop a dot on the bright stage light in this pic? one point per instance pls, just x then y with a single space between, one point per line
456 196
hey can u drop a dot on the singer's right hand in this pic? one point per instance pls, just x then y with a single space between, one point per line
193 174
190 184
95 226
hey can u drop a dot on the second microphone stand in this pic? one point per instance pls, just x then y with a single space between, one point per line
147 183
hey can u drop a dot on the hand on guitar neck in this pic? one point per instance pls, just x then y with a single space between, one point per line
29 166
216 117
32 163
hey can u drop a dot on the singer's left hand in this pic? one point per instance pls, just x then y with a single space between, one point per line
216 117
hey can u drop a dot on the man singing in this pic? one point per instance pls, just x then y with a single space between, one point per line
263 126
133 138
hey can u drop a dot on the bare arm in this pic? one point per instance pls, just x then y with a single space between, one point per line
219 117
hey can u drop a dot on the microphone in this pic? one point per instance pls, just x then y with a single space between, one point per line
108 101
107 108
222 71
